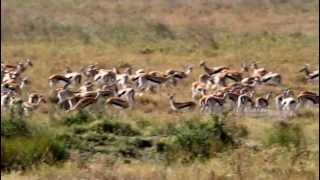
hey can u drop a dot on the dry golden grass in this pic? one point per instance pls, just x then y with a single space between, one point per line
281 37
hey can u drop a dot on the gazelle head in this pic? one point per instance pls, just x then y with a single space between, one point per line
254 65
140 71
91 66
99 94
204 78
269 95
24 82
244 67
128 71
115 70
288 92
171 97
202 63
29 63
251 93
15 74
305 68
68 70
42 99
189 69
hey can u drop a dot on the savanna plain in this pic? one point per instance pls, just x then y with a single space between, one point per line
150 141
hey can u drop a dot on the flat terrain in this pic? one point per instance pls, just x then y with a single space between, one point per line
158 35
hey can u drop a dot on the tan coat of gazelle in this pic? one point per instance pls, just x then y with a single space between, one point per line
181 106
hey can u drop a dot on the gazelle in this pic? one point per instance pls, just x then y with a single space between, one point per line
311 76
219 79
105 77
258 72
279 98
128 94
123 80
89 72
211 102
199 86
249 80
12 86
306 96
233 97
63 95
74 77
21 67
57 79
118 103
149 82
287 102
262 103
11 76
211 71
87 86
6 98
233 75
32 103
243 101
179 75
271 79
84 102
181 106
182 74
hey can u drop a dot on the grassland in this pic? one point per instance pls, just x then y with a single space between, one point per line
156 35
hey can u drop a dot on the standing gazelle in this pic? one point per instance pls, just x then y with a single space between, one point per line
306 96
311 76
181 106
243 101
59 79
85 102
262 103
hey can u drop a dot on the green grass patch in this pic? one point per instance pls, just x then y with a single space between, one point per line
284 134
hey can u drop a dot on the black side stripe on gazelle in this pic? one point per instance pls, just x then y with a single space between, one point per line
232 77
313 99
117 103
181 106
158 81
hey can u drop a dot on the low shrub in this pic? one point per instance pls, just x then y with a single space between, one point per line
200 140
24 144
24 152
117 128
78 118
14 127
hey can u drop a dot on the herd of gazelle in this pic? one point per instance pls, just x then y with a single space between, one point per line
213 90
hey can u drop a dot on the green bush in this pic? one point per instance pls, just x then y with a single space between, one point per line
284 134
200 140
117 128
23 152
24 144
14 127
78 118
